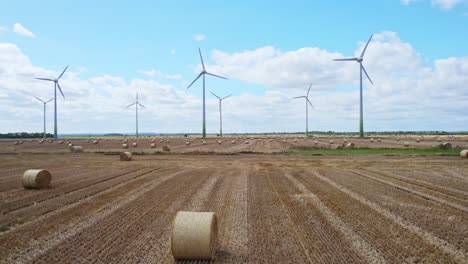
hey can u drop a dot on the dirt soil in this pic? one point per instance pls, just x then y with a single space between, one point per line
271 208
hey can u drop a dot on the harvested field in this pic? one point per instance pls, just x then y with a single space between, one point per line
271 208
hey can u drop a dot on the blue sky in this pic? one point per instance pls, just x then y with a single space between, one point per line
122 38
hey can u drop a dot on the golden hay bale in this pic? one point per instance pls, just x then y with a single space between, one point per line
152 145
445 145
125 156
125 146
331 142
134 144
15 143
194 235
166 148
349 145
36 179
76 149
406 144
464 153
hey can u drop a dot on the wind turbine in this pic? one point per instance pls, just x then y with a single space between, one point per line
220 113
137 103
56 84
361 69
203 73
44 102
307 102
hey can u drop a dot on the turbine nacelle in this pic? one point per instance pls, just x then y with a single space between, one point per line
360 59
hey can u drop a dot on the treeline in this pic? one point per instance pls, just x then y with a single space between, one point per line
25 135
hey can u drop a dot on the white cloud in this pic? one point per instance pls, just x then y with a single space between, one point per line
158 73
442 4
173 51
409 93
199 37
21 30
3 29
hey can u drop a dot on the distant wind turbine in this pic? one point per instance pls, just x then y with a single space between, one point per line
56 84
44 102
203 73
137 103
220 113
307 102
361 69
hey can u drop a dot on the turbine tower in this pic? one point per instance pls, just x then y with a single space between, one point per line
220 113
361 69
307 102
56 84
203 73
137 103
44 102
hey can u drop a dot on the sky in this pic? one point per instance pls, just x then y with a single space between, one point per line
270 52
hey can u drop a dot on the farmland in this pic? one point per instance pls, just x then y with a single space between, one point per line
271 208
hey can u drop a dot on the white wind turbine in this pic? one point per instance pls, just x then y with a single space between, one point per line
44 102
307 102
220 113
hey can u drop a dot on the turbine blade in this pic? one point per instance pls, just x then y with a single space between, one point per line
215 95
50 100
60 76
226 97
60 89
310 103
216 75
38 99
298 97
44 79
195 79
309 90
362 67
346 59
131 105
201 58
141 105
364 50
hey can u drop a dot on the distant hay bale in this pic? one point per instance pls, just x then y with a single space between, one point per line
315 142
187 142
36 179
397 139
125 156
439 140
125 146
372 140
295 140
60 142
445 145
125 140
233 142
194 235
95 142
349 145
76 149
464 153
406 144
204 142
29 140
15 143
271 140
87 141
246 142
134 144
220 142
70 144
152 140
152 145
378 140
166 148
418 140
20 142
331 141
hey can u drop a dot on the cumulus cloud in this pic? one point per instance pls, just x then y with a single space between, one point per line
409 93
21 30
199 37
158 73
442 4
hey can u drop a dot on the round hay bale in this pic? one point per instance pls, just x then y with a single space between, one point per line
372 140
378 140
187 142
397 139
349 145
15 143
445 145
220 142
315 142
134 144
166 148
70 144
20 142
87 141
125 140
331 141
76 149
246 142
36 179
464 153
95 142
152 140
233 142
60 142
152 145
194 235
125 146
439 140
203 142
125 156
406 144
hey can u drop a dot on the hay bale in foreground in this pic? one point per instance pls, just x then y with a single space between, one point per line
125 156
125 146
76 149
464 153
166 148
194 235
36 179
